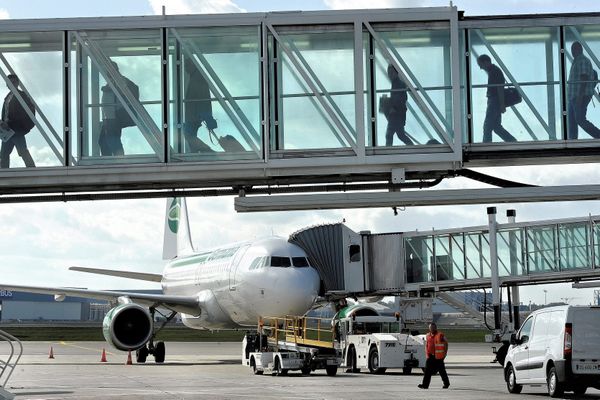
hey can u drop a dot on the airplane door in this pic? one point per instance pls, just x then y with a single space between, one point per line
235 262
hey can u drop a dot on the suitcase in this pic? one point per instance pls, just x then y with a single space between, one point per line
228 143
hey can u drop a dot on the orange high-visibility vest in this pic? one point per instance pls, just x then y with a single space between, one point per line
439 345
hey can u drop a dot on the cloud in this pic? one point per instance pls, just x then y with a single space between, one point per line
4 14
195 6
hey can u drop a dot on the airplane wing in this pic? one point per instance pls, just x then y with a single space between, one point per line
140 276
185 304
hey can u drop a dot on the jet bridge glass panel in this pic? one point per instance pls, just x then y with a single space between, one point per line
120 95
420 96
313 89
214 97
524 60
36 59
583 114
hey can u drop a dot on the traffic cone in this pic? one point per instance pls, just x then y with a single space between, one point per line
103 358
129 362
51 355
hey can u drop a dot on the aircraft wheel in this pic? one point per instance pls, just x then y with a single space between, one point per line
141 354
159 352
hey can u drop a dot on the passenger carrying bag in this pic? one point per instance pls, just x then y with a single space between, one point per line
511 97
122 115
385 105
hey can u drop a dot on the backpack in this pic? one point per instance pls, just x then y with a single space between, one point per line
122 115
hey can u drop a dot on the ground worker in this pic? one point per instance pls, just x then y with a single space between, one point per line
436 350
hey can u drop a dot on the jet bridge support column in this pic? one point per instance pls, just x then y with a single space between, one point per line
494 266
516 301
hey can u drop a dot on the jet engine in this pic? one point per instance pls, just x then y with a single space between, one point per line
127 326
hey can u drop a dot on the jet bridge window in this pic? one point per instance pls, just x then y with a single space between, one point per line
300 262
354 252
280 262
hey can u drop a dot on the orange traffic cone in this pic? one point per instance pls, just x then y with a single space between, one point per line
51 355
129 362
103 358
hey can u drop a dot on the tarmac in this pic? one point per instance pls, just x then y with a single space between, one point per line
214 371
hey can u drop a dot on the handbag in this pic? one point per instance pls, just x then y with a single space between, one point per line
385 105
5 131
511 97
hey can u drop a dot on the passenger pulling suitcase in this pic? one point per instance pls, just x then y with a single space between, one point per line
228 143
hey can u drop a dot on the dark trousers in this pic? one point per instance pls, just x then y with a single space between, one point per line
110 138
577 117
493 122
190 132
432 366
18 141
396 123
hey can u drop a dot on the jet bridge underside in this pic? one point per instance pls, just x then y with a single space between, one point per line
527 253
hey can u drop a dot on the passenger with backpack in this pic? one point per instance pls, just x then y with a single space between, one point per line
115 117
16 118
581 86
496 101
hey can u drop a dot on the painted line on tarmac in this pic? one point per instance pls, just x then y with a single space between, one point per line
82 347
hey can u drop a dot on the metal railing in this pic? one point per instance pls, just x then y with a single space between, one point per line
16 351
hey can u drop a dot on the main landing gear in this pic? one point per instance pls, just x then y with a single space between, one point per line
158 349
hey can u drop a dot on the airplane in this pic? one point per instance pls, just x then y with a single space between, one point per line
227 287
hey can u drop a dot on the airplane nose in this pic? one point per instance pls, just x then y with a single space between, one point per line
299 290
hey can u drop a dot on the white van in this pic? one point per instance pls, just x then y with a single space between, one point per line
556 346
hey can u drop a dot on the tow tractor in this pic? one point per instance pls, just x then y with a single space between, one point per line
375 342
292 343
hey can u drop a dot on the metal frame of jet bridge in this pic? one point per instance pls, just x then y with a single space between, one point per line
284 86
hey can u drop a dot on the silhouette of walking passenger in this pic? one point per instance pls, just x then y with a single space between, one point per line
17 119
396 114
197 107
581 84
495 101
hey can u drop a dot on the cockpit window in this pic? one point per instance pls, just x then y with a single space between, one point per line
300 261
280 262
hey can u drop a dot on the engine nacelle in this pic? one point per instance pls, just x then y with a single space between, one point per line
127 326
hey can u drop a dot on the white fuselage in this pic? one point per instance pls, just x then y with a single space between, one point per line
238 284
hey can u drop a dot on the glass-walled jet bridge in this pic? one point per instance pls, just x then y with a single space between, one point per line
295 97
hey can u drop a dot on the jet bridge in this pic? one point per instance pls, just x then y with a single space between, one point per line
299 92
512 254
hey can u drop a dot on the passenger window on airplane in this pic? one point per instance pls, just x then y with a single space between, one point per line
280 262
300 261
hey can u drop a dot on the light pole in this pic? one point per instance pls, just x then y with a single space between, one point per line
545 293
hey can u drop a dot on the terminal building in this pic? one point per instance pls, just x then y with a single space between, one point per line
23 306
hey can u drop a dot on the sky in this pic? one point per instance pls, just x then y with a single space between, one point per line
40 241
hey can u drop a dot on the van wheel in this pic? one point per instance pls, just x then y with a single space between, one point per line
555 388
511 381
579 390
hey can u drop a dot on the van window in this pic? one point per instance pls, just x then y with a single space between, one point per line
557 323
526 330
540 327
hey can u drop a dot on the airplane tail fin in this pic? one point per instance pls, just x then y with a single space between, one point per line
178 239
